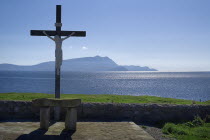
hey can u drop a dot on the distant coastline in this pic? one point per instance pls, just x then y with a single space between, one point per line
96 63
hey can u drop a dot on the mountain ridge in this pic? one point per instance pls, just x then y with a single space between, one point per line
96 63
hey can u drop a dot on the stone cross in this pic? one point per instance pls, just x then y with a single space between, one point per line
58 43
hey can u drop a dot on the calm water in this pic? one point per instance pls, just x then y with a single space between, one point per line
182 85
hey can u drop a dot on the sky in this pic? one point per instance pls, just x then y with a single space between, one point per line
169 35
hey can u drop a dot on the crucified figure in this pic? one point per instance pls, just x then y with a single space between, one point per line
58 50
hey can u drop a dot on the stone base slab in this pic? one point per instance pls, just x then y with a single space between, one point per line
85 131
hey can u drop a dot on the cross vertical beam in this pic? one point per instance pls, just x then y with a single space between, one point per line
58 25
57 83
58 19
58 13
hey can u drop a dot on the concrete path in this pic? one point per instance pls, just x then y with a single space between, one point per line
85 131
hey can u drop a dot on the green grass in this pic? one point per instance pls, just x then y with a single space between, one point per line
99 98
195 130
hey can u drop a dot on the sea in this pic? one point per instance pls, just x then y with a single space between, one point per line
180 85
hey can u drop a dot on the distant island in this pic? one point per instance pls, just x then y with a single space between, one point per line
96 63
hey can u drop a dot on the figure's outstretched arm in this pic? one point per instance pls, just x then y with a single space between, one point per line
48 36
68 36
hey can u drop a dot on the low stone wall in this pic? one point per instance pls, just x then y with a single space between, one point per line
140 113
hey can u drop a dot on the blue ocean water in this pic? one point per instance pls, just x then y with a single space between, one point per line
181 85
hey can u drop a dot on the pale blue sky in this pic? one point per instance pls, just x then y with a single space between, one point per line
170 35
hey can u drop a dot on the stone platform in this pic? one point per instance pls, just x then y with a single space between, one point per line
85 131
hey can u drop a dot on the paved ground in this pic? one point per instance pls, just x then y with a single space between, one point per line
85 131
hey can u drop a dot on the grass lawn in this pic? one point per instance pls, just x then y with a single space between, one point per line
194 130
100 98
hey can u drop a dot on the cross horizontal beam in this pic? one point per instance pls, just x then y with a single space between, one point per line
62 33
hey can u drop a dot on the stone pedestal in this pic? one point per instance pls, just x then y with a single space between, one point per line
44 117
71 115
71 119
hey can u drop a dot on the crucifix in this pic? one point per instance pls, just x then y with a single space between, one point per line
58 44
